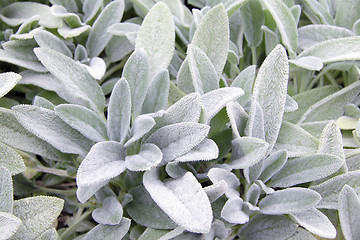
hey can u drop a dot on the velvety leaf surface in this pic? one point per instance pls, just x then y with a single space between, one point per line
204 151
110 213
11 159
9 224
272 164
109 232
6 191
245 80
149 156
219 174
141 125
8 82
232 211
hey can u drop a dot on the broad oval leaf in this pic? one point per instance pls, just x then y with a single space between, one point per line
110 213
349 212
9 224
45 124
7 82
177 139
232 211
219 174
98 36
290 200
141 125
11 159
204 151
87 122
270 90
183 200
149 156
157 36
315 222
6 191
212 36
306 169
37 215
109 232
75 79
83 193
104 161
309 63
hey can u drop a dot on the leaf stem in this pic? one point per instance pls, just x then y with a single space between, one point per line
114 68
58 191
54 171
71 229
253 55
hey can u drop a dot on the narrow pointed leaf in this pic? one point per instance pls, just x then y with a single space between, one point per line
49 40
245 80
204 151
8 82
255 126
37 214
157 37
109 213
46 125
238 118
331 141
272 164
6 191
87 122
212 36
347 14
11 159
253 18
9 224
104 161
182 199
108 232
290 200
315 222
141 125
349 210
119 111
149 156
98 36
270 92
232 211
177 139
184 78
75 78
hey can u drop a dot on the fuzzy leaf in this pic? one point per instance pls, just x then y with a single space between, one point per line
45 124
158 93
83 193
50 234
149 156
136 72
204 151
290 200
46 39
309 63
87 122
347 14
177 139
216 190
349 210
182 199
212 36
330 189
331 141
247 151
232 211
7 82
272 164
270 92
109 213
245 80
15 135
311 34
98 36
255 124
285 22
37 215
335 50
11 159
331 107
215 100
9 224
237 117
295 140
119 111
141 125
75 78
315 222
218 174
108 232
252 17
104 161
157 37
265 227
6 191
184 78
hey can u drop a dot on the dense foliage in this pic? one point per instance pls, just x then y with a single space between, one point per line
152 119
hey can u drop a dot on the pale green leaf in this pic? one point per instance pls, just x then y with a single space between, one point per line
43 102
232 211
110 212
317 12
271 39
142 7
153 234
347 14
212 36
346 123
109 232
306 169
309 63
270 92
46 125
330 189
204 151
9 224
11 159
83 193
302 234
217 175
331 141
91 8
255 124
252 18
96 67
87 122
290 200
148 157
177 139
290 104
238 118
141 125
119 112
7 82
245 81
272 164
315 222
48 40
22 61
98 36
184 78
50 234
216 190
136 71
6 191
37 215
349 212
75 79
118 48
182 199
157 37
285 22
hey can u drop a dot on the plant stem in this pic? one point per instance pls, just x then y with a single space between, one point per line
58 191
54 171
114 69
72 228
253 55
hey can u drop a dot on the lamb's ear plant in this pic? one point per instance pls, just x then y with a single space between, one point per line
159 119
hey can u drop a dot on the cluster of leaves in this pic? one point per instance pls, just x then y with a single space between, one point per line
143 119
